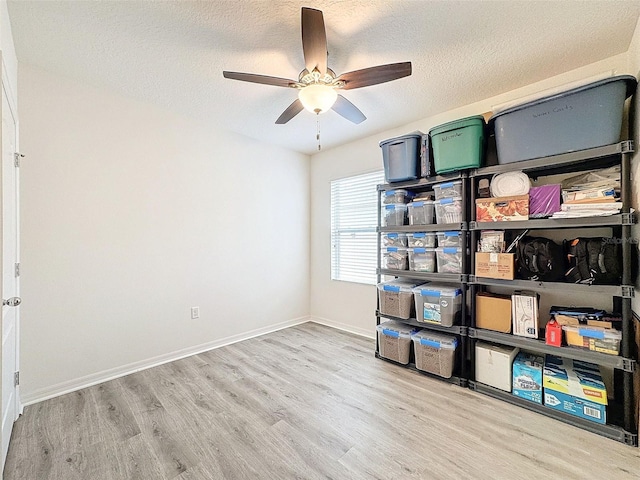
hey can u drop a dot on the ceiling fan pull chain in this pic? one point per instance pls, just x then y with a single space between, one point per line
318 129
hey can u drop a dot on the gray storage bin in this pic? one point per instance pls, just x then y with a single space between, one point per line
394 215
401 158
435 352
394 258
422 259
438 304
585 117
397 196
394 341
394 240
421 240
450 239
421 213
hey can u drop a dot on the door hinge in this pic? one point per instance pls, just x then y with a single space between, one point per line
16 379
16 158
17 269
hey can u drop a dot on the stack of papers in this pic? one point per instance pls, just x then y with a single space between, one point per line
592 194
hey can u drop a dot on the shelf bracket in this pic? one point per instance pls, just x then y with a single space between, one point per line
626 146
628 218
631 439
473 225
628 365
628 291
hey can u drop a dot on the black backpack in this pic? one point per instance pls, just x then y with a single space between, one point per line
593 261
541 259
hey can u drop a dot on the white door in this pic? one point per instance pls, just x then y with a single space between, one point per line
10 279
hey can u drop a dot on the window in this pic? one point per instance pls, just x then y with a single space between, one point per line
354 218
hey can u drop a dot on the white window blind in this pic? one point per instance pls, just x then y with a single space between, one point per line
354 217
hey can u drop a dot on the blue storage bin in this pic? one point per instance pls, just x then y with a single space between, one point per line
401 158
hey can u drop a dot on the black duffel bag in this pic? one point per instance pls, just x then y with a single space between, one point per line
539 258
593 261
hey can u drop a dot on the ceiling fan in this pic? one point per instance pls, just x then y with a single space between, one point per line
317 84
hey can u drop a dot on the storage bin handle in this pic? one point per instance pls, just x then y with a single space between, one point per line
390 333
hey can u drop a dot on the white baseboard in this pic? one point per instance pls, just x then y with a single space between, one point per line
343 326
106 375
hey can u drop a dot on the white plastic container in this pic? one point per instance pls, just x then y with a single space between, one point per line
394 215
422 259
397 196
449 259
435 352
448 190
396 298
448 210
421 240
421 213
450 239
394 341
394 258
438 304
394 240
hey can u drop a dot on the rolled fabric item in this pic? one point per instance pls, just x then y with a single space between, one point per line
510 184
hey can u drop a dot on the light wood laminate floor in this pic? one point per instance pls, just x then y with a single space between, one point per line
308 402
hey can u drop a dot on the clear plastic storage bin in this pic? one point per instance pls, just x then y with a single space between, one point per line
396 298
448 190
394 215
394 341
449 259
450 239
422 259
448 210
394 258
421 213
603 340
438 304
421 239
394 240
397 196
435 352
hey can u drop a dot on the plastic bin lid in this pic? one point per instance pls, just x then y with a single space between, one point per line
629 79
445 201
421 203
401 138
449 249
455 124
448 184
593 332
395 235
434 290
389 193
396 329
393 206
421 234
393 249
421 249
398 286
435 339
450 234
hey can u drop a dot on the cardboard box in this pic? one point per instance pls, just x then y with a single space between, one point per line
524 312
493 365
495 265
493 312
575 387
502 209
527 376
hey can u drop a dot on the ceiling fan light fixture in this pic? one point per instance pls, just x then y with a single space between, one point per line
317 98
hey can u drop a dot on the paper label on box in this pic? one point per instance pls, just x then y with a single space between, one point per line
493 257
431 312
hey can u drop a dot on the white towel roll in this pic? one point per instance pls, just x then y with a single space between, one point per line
510 184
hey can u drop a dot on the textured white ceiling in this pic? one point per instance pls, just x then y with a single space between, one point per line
173 53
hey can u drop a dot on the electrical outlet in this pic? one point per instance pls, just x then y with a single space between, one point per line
195 312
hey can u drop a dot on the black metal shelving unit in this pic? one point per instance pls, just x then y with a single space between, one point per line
426 184
622 429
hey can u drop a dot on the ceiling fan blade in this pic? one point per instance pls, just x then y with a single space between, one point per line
348 110
375 75
291 111
314 40
264 79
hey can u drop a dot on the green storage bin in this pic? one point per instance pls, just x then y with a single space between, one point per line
458 145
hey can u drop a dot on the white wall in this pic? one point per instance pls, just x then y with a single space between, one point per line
8 50
351 306
131 215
